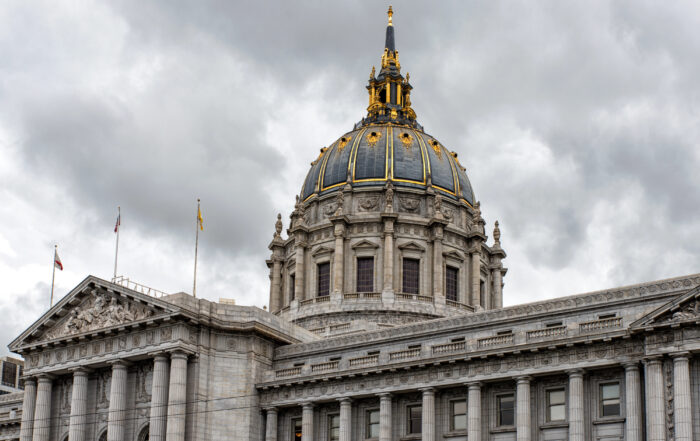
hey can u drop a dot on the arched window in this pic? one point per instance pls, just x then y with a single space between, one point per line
143 434
103 436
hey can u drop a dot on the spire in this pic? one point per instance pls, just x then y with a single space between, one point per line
389 91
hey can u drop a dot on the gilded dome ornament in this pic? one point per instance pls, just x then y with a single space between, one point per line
406 139
373 137
343 142
436 148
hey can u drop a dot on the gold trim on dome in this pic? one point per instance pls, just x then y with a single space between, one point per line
436 148
373 137
343 142
424 152
386 160
406 139
393 163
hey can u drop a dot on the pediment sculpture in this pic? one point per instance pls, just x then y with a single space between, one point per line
101 310
687 311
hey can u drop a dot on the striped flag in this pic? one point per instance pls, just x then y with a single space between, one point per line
57 261
119 222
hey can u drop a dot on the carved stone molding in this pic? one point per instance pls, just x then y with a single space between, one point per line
409 204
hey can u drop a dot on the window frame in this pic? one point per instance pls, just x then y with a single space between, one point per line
601 399
451 414
455 270
357 273
409 420
369 423
499 411
330 417
319 265
549 404
413 260
292 425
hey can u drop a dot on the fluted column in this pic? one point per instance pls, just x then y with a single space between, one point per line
159 398
42 412
28 406
385 432
177 397
633 403
307 422
522 409
338 257
656 426
78 406
428 420
476 279
474 412
117 403
388 274
299 292
345 419
576 428
497 297
682 412
276 285
270 424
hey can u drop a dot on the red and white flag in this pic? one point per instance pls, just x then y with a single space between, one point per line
57 261
119 222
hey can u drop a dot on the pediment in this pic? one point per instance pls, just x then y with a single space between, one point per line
453 255
683 309
95 305
364 244
411 246
321 251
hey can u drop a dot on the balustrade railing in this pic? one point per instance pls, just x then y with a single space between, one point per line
323 367
449 347
138 287
416 297
554 331
404 355
498 340
289 372
368 360
599 325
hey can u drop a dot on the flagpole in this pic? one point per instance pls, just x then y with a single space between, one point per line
196 246
53 275
116 251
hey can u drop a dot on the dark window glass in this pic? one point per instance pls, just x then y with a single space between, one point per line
9 374
556 405
373 423
610 399
506 410
333 427
451 283
296 429
415 418
21 381
482 293
458 415
411 276
365 274
324 279
292 285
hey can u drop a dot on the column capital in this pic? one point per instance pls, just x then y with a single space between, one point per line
652 360
683 355
575 372
385 395
28 379
308 405
474 385
631 365
179 354
270 409
524 379
44 378
345 400
119 364
80 371
427 390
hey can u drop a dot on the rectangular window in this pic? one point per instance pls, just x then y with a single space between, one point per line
333 427
482 293
415 419
411 276
556 405
365 274
296 429
451 283
373 423
610 399
9 374
506 410
458 415
292 285
324 279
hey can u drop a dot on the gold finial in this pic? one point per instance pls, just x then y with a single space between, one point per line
390 13
371 75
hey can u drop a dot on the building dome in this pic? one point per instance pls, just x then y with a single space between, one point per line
386 229
373 154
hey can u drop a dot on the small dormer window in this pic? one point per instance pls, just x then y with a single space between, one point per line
607 316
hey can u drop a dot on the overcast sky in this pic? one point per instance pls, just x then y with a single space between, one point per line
578 122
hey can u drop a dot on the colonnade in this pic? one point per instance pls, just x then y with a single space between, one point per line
168 401
655 413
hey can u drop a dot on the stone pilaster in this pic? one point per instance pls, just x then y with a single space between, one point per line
159 398
474 412
78 406
276 285
177 397
428 423
576 427
388 273
270 424
654 388
345 419
338 255
117 403
42 412
437 262
497 295
385 427
682 412
28 407
633 403
522 410
476 279
299 291
307 422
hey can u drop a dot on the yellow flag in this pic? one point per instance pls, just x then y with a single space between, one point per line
199 219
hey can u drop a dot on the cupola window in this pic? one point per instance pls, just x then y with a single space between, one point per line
451 283
411 275
324 279
365 274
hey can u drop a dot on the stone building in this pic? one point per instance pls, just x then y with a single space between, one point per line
385 323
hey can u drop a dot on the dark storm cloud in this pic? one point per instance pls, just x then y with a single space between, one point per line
578 122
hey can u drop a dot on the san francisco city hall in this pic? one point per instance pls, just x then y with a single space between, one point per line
385 322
